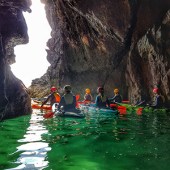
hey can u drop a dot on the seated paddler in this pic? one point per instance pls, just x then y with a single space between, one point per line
68 101
88 97
101 99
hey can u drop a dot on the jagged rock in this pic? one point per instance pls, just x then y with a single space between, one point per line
115 44
14 100
149 61
120 44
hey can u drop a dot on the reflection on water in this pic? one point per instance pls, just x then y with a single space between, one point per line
93 143
33 151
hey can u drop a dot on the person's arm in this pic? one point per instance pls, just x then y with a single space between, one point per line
111 99
74 101
91 97
108 102
97 100
85 97
61 102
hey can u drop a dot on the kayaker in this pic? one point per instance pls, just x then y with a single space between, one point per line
68 101
88 97
158 100
53 97
117 98
101 99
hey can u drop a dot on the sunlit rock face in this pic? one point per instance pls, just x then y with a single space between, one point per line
14 99
123 44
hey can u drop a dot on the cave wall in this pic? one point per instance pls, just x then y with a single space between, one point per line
149 62
14 100
121 43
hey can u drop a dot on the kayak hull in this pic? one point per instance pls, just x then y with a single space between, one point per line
92 110
35 105
70 114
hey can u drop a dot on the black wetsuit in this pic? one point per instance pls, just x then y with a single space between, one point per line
116 99
102 101
158 102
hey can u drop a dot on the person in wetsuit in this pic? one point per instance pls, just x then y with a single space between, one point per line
88 97
101 99
117 98
158 100
53 97
68 101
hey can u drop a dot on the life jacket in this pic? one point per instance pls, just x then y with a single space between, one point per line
103 98
68 98
88 97
57 97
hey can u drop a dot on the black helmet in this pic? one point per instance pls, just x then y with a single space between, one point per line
100 90
67 88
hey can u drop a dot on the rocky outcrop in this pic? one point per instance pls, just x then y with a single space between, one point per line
149 61
116 44
14 100
120 44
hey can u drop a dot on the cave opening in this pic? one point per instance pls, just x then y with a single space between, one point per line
31 62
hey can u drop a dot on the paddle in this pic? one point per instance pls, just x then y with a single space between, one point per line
119 107
48 115
140 109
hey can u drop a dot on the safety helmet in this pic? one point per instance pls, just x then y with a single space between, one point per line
88 91
116 90
155 90
67 88
53 89
100 89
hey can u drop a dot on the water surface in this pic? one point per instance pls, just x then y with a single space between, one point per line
117 143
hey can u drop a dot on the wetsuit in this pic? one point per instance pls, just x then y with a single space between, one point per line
102 101
116 99
68 101
88 97
158 102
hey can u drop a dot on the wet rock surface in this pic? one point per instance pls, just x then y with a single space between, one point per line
14 100
115 44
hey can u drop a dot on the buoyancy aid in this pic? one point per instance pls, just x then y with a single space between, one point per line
68 98
103 98
57 97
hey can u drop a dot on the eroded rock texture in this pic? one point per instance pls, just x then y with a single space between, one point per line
121 43
14 99
116 44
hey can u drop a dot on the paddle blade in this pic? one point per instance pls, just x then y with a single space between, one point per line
122 110
139 111
77 97
48 115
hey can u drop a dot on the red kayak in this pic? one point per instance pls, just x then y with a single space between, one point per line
36 105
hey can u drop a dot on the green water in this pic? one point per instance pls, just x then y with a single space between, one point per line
128 142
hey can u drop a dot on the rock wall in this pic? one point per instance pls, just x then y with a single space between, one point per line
122 43
14 98
116 44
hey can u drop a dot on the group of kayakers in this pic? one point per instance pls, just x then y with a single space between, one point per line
68 101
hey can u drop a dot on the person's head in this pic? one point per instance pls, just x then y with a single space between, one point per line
155 91
88 91
116 91
53 89
100 90
67 88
